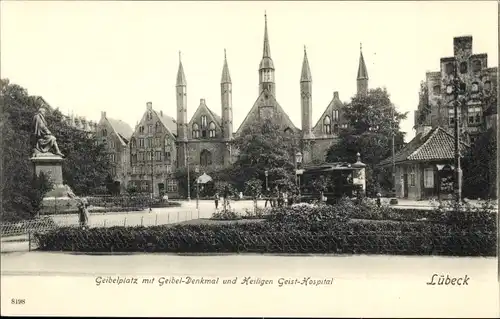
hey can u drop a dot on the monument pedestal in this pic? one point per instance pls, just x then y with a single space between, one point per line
59 199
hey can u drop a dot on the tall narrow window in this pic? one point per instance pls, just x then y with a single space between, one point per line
196 131
449 68
451 115
158 127
203 121
327 125
463 67
335 129
205 158
429 177
436 90
133 143
150 129
335 115
212 129
141 142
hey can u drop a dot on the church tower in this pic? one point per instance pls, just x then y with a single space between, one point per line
306 97
266 68
226 101
362 79
182 123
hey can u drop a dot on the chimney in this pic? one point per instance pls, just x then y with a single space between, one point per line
149 106
202 101
336 95
103 114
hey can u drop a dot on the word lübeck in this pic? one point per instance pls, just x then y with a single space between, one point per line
441 280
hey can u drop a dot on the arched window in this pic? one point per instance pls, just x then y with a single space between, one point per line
196 130
327 125
211 129
150 116
205 158
104 132
288 130
463 67
133 142
203 121
158 127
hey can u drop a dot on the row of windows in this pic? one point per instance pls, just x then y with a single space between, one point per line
436 90
147 156
151 142
463 67
172 186
157 169
203 131
158 128
474 115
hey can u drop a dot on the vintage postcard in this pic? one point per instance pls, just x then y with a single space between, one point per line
249 159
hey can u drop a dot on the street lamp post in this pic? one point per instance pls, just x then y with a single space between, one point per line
393 131
266 173
152 180
455 89
197 170
188 178
298 161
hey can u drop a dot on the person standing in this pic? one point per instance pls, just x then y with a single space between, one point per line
83 212
216 200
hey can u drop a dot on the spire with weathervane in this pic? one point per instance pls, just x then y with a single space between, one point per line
226 89
181 95
362 79
266 68
306 97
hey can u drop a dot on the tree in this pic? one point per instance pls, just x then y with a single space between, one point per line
370 128
479 167
254 188
84 167
265 146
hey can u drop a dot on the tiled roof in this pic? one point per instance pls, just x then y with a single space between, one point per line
121 128
435 145
169 122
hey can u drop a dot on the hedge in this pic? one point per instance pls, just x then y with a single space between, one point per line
395 238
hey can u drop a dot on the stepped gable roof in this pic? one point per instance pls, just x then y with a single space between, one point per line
435 145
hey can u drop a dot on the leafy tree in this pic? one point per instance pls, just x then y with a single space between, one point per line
85 165
264 146
479 167
370 128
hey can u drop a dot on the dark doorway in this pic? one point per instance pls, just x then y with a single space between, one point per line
405 185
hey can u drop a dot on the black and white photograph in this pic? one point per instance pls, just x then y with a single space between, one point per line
241 158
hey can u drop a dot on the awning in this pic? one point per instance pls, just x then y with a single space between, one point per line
203 179
441 166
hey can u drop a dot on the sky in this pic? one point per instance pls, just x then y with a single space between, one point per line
93 56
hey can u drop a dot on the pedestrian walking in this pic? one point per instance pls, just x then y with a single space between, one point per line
379 201
83 212
216 200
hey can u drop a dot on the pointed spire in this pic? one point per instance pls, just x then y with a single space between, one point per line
306 71
266 62
362 72
181 78
226 77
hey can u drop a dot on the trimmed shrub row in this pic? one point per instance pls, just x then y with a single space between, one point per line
267 237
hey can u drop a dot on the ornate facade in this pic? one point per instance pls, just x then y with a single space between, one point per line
479 82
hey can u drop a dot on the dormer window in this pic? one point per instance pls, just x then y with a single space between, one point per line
327 125
203 121
196 130
211 132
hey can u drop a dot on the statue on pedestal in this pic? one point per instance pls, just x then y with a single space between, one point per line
44 139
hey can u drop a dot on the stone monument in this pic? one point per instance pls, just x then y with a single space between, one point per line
359 177
48 162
